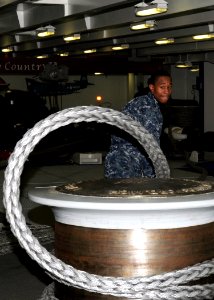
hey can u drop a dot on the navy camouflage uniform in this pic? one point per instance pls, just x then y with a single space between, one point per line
126 159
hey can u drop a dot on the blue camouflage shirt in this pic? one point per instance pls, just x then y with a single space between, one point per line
127 159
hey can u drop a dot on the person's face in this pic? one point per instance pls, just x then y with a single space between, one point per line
161 89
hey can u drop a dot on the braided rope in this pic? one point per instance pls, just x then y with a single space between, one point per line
48 294
163 286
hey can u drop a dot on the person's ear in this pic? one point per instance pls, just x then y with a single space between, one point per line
151 87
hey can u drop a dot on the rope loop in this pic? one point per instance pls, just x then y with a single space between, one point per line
153 287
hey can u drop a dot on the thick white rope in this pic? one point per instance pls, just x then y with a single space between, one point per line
163 286
49 291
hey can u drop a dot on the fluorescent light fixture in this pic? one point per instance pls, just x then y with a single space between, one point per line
120 47
203 36
7 49
90 51
71 38
143 25
45 31
153 8
164 41
98 73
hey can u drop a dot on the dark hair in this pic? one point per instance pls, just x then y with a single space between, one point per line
156 75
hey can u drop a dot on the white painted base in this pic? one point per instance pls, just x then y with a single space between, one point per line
132 212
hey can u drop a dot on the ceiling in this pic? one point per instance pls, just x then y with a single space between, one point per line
104 23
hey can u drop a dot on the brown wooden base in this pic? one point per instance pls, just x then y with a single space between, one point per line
133 252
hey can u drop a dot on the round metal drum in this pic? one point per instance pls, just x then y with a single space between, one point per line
130 227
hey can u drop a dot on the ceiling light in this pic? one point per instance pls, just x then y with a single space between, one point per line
64 54
155 7
164 41
42 56
203 36
208 35
194 69
45 31
73 37
180 64
7 49
183 65
120 47
90 51
142 25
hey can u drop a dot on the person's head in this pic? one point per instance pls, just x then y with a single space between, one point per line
160 85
